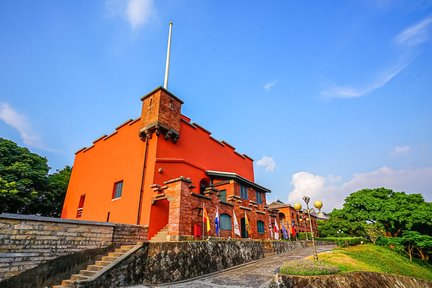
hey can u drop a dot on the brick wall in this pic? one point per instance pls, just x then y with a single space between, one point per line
27 241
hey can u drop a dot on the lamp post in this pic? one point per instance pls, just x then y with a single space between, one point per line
318 205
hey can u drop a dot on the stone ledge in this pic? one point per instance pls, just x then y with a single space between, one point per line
201 196
51 219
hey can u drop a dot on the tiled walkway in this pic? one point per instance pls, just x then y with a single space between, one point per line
256 274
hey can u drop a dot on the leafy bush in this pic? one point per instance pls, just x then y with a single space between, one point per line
304 235
308 267
344 241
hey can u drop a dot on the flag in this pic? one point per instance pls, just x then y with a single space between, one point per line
206 220
276 230
248 229
293 232
270 228
217 221
236 225
284 232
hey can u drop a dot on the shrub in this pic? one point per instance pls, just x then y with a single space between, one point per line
308 267
344 241
304 235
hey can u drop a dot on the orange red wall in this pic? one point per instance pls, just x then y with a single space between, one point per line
113 158
120 156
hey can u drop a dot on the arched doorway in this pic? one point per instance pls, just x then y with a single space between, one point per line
204 183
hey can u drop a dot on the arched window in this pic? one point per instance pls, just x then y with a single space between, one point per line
225 222
260 227
204 183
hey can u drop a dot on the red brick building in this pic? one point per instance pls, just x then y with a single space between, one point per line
293 219
161 170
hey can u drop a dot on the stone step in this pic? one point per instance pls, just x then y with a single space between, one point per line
102 263
115 254
95 267
87 272
67 283
78 277
109 258
128 247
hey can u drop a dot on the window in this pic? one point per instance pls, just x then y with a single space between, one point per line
80 206
260 226
222 196
225 222
171 103
258 197
151 101
243 192
117 192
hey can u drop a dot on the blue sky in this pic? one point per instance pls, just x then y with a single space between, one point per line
328 97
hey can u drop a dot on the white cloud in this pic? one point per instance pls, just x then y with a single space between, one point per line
267 162
333 193
20 123
415 34
269 85
347 92
136 12
139 12
408 39
399 150
306 184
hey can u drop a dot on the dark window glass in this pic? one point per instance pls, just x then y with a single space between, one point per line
80 206
243 192
259 197
225 222
222 196
118 188
260 226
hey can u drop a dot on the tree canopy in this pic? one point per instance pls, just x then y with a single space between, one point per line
395 211
25 185
375 213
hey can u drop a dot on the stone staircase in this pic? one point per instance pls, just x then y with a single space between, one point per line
94 269
161 236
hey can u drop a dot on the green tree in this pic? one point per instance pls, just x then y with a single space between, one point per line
25 186
374 231
340 227
57 187
415 242
395 211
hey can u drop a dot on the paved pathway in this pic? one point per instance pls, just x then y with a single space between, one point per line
256 274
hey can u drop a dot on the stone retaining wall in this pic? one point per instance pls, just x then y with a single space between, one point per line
282 246
156 263
354 279
27 241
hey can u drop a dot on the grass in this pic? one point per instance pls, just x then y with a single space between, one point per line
374 259
308 267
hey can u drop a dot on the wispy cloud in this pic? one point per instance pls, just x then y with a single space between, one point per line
136 12
415 34
21 124
347 92
139 12
399 150
332 191
409 39
269 85
267 162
